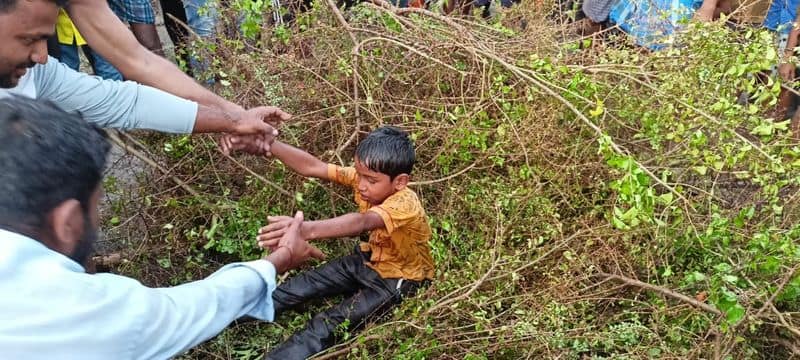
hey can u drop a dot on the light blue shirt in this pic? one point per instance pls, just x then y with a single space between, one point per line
108 103
50 308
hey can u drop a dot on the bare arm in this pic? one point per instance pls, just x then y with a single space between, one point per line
706 11
346 225
786 67
107 35
300 161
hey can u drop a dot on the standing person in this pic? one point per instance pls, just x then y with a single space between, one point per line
69 40
109 37
140 16
25 69
781 18
201 18
51 168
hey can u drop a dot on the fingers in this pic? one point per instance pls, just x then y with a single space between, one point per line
279 219
269 244
276 113
316 253
276 234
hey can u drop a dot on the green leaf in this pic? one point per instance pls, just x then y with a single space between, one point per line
702 170
735 313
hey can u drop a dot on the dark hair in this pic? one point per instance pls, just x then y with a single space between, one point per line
47 156
7 5
387 150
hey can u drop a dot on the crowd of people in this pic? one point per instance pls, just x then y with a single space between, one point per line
52 155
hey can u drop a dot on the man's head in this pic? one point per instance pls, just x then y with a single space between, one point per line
25 26
51 166
384 160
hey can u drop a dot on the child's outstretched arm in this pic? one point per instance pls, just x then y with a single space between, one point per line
300 161
341 226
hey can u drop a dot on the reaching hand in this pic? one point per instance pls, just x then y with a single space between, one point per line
270 235
292 249
786 71
258 128
251 144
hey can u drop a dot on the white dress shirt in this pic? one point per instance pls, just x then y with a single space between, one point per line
50 308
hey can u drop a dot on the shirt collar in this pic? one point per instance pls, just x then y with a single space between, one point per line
15 247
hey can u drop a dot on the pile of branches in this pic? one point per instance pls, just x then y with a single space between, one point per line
572 191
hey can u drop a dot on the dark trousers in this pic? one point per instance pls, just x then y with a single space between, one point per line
370 297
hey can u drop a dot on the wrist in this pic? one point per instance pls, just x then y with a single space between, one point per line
234 118
307 230
281 258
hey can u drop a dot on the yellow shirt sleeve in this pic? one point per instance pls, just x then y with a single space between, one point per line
67 32
343 175
398 210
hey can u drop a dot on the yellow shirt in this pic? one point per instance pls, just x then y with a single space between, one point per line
67 32
402 249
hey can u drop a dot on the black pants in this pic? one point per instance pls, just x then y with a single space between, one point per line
370 298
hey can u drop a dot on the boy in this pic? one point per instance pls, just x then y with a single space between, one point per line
393 264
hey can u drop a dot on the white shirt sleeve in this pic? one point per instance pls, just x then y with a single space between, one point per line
173 320
113 104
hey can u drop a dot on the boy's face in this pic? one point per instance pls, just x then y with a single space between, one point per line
375 187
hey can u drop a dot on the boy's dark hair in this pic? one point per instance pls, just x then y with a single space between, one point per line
387 150
7 5
47 156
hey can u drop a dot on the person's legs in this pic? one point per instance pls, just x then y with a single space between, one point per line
201 16
147 36
139 14
786 97
69 56
101 66
375 298
336 277
174 9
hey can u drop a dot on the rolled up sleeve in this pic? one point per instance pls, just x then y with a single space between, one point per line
113 104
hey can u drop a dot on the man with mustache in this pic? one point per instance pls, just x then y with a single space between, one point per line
51 166
27 70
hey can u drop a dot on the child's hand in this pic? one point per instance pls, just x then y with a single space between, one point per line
251 144
268 236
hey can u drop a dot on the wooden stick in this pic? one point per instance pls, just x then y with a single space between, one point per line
663 291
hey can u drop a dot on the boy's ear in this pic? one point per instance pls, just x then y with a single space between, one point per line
400 182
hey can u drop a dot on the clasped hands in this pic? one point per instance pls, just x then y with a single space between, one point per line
254 130
290 249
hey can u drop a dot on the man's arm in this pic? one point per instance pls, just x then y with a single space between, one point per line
178 318
128 105
107 35
786 67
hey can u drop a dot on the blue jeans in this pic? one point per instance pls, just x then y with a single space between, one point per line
201 16
102 68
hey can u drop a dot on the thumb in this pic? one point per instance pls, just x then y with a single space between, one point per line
316 253
298 216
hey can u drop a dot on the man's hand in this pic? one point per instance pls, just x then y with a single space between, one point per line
269 236
256 129
251 144
786 71
259 120
292 249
